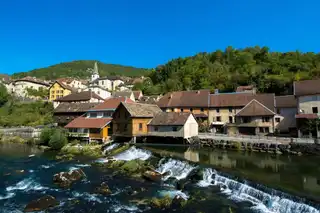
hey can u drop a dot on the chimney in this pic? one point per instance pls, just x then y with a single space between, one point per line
198 92
170 96
216 91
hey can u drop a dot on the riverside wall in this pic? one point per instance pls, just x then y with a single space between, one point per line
23 132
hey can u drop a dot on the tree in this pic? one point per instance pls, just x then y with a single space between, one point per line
58 139
4 96
45 135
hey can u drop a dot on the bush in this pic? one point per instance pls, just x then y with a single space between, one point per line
45 135
58 140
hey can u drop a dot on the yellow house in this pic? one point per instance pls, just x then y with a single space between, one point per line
131 119
58 90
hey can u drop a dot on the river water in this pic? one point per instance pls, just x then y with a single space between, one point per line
231 182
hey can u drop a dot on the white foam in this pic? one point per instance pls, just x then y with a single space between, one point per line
175 168
82 165
27 184
133 153
102 160
87 196
207 178
7 196
262 201
111 147
47 166
131 208
30 156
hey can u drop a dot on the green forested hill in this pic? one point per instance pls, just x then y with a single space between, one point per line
79 69
225 70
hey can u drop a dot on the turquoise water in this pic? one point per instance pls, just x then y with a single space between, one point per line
230 181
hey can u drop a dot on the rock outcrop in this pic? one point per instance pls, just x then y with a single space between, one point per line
103 189
65 179
41 204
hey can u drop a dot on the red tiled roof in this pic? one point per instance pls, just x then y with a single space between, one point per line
83 122
307 116
307 87
243 88
287 101
63 85
33 80
199 98
111 103
240 99
170 118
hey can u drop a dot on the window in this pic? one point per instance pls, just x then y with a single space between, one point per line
265 119
98 92
181 110
260 129
218 118
95 131
230 109
315 110
202 110
245 120
266 129
52 96
191 110
278 111
174 128
125 127
102 82
277 120
93 115
230 119
140 126
156 129
218 110
106 114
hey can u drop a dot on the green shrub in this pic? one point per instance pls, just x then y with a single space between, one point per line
58 140
45 135
74 142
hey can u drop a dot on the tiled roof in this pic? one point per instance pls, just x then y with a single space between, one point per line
170 118
64 86
241 99
307 87
255 108
83 122
80 96
32 80
111 103
199 98
74 107
287 101
123 94
142 110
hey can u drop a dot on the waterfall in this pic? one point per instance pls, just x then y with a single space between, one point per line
132 154
110 147
262 201
175 168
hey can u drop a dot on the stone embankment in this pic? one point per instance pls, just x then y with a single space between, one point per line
22 132
267 146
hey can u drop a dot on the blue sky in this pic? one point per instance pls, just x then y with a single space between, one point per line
147 33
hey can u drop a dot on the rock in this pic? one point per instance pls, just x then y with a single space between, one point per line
103 189
133 165
196 175
178 202
181 184
65 179
41 204
19 171
152 175
161 203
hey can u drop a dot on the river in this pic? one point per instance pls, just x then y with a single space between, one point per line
255 182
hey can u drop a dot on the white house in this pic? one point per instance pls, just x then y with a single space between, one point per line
74 83
19 87
103 93
173 124
286 107
128 94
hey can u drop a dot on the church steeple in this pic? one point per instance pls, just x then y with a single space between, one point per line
95 73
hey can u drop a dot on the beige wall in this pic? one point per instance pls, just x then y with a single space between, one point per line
19 88
224 114
306 103
191 127
258 120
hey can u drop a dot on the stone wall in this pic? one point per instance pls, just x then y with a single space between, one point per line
23 132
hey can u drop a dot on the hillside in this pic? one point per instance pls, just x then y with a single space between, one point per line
271 72
79 69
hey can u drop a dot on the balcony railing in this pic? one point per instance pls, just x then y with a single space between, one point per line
78 134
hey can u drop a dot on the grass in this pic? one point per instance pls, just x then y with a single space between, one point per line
87 150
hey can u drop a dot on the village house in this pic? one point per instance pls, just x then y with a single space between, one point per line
79 97
247 89
73 83
66 111
225 114
127 94
286 109
173 124
137 95
131 119
196 102
103 93
96 123
20 87
59 89
307 94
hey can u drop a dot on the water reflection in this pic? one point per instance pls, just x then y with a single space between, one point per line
295 174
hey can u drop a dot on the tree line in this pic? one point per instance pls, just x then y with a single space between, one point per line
270 72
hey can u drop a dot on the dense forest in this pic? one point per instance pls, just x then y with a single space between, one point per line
271 72
79 69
